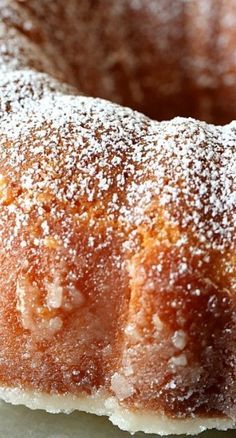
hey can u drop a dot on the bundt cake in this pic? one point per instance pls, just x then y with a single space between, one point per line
117 235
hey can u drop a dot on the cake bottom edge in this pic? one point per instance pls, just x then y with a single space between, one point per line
125 419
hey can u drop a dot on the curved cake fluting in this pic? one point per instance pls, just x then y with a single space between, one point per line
164 58
118 234
117 244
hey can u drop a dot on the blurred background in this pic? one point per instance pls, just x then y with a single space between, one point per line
21 422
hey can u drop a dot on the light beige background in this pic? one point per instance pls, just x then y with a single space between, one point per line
20 422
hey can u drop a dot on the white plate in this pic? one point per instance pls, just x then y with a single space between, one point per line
20 422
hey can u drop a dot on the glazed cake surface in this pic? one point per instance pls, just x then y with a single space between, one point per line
117 245
165 58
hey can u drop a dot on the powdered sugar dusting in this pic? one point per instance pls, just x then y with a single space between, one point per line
61 149
79 147
125 59
78 168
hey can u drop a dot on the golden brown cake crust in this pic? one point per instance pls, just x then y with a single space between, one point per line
111 220
164 58
117 242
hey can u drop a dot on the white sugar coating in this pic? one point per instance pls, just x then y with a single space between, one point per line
27 39
179 339
90 156
68 143
184 162
178 361
121 386
54 294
